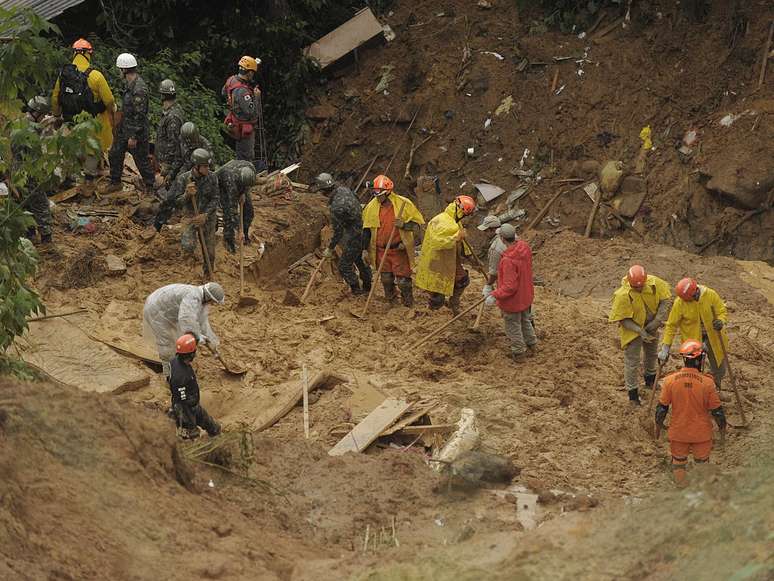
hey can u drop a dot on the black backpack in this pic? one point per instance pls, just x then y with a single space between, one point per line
75 95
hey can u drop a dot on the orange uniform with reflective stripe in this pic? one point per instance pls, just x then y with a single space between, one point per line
386 222
692 395
397 261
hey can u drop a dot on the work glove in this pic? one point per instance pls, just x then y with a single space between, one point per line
490 301
488 288
646 337
663 354
190 190
399 223
717 324
461 235
327 253
654 325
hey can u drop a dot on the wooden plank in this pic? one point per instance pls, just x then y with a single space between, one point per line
288 398
347 37
363 434
418 411
65 195
305 388
430 429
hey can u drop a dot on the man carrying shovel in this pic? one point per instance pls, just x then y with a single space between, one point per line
347 223
197 191
235 179
700 314
440 270
640 307
176 309
390 223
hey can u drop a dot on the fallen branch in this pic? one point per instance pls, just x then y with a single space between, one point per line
762 76
400 143
64 314
726 233
414 148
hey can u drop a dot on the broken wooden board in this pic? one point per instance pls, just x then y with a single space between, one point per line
64 195
363 434
364 398
417 411
64 353
339 42
423 430
629 204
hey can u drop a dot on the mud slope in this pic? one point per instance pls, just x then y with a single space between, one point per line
665 70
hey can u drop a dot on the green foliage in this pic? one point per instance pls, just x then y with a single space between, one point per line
30 158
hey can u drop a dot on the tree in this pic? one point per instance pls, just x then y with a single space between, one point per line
27 159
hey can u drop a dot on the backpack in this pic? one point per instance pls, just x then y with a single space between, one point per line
75 95
242 102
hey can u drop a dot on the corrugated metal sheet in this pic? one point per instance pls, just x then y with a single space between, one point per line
47 9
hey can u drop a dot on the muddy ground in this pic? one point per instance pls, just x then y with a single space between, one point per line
96 487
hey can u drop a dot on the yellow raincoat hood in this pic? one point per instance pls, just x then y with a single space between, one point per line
438 259
691 317
630 304
410 214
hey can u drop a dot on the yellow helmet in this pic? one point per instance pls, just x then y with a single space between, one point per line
248 63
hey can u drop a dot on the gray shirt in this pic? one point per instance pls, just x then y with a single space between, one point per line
496 249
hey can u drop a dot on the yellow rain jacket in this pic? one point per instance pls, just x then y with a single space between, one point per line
410 214
630 304
438 259
689 317
99 86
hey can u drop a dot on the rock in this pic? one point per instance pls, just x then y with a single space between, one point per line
484 4
320 112
743 172
633 185
589 168
610 177
480 466
115 265
223 530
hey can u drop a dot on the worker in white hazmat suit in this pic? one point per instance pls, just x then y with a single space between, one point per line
176 309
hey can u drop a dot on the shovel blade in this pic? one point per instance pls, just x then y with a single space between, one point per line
246 301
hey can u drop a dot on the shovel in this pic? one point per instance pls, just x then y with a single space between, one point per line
244 300
311 279
432 334
732 377
200 236
228 368
381 265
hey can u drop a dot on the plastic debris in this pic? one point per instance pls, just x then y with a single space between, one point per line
504 107
487 123
524 157
690 138
489 192
645 136
497 55
559 90
728 120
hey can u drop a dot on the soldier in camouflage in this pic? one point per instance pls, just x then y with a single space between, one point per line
235 180
168 142
201 184
347 223
133 132
190 139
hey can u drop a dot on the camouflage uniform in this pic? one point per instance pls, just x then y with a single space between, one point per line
168 143
347 222
207 203
36 199
134 124
230 192
187 148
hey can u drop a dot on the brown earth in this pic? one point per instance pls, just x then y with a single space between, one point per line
94 486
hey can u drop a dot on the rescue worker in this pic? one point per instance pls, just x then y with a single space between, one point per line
189 412
235 180
243 98
440 271
201 184
191 139
497 246
34 199
86 89
640 307
698 313
379 217
693 398
514 295
169 149
347 224
175 309
133 131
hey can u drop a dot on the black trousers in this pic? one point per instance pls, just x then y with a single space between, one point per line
139 153
189 417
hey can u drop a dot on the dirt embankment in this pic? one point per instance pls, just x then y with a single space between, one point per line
665 70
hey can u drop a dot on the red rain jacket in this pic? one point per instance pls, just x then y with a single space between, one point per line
514 292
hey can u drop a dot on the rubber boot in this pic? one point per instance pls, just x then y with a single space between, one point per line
366 285
406 292
650 379
634 397
436 301
357 291
114 187
388 282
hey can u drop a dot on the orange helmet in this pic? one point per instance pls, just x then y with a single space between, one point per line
83 45
466 204
186 344
686 289
248 63
691 349
383 183
637 277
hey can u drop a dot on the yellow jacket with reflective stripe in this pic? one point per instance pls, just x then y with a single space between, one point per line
99 86
438 259
690 317
630 304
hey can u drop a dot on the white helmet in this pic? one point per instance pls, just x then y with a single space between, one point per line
126 61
